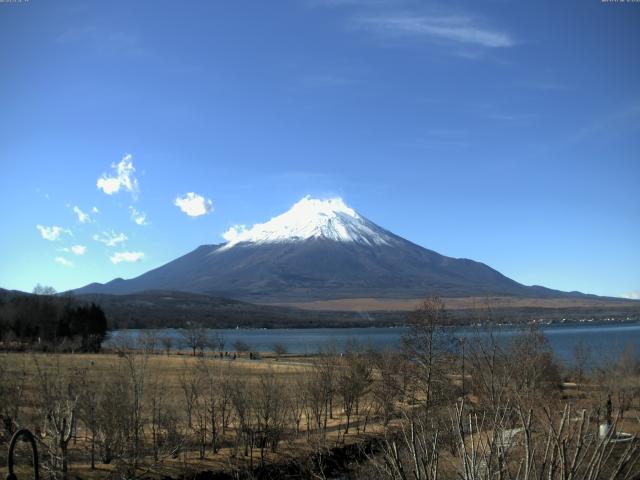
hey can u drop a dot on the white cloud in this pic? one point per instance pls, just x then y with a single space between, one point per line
123 179
234 232
76 250
194 205
82 216
110 239
458 29
79 249
126 257
109 185
139 217
52 233
95 210
634 295
63 261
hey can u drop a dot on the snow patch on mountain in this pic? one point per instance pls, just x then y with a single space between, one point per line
311 218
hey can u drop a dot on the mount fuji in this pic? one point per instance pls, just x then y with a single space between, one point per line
322 250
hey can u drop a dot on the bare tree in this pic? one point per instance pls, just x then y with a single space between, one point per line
218 342
490 367
44 290
224 378
562 445
532 358
414 453
387 390
58 406
581 359
148 341
114 401
135 363
621 376
195 338
241 347
279 349
203 398
163 422
270 411
319 388
425 346
241 401
190 380
353 380
12 388
298 401
214 387
217 383
89 403
326 365
167 343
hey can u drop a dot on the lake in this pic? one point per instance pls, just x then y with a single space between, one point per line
603 340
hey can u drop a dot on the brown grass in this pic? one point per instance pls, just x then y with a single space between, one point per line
464 303
169 369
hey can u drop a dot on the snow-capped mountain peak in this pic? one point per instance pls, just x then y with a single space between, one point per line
311 218
321 250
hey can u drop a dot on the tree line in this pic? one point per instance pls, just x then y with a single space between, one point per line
45 321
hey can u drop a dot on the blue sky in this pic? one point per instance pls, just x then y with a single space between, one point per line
503 131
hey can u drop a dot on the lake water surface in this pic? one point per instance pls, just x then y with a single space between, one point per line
603 340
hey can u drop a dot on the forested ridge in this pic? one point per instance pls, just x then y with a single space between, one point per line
46 321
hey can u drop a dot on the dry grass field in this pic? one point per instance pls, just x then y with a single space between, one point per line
462 303
170 379
149 414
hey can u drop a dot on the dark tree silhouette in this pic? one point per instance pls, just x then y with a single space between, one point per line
48 320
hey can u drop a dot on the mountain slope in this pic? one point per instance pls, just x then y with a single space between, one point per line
321 250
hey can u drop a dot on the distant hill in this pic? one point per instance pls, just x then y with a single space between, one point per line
323 250
159 309
175 309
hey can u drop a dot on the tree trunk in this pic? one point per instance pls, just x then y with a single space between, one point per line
93 449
